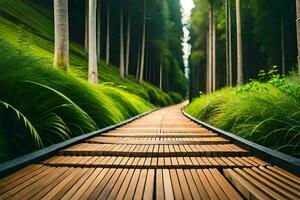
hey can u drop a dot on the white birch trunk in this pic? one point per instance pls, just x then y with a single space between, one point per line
93 68
122 65
61 26
240 71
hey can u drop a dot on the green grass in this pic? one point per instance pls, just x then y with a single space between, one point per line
266 113
40 105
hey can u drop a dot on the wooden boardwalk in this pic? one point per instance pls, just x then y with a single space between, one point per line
163 155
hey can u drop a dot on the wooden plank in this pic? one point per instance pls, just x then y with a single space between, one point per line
168 190
159 185
176 185
244 186
149 186
141 185
133 184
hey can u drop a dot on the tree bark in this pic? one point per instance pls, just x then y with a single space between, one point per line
99 30
61 26
108 33
141 78
240 70
128 43
122 65
282 45
86 28
298 32
160 76
228 45
93 68
208 63
214 80
138 62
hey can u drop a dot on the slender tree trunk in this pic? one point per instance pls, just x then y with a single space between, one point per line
240 70
122 65
160 76
61 26
228 45
214 80
108 33
282 45
86 29
128 43
99 30
208 64
141 78
298 32
138 62
93 68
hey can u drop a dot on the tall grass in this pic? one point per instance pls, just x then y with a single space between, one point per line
40 106
264 112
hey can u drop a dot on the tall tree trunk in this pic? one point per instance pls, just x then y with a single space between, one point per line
122 65
208 62
228 44
214 58
61 26
298 32
93 68
282 44
108 33
138 62
99 30
240 70
160 76
86 28
128 43
141 78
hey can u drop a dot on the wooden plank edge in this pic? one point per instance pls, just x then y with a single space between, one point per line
11 166
287 162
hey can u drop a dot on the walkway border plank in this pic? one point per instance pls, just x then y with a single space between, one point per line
282 160
11 166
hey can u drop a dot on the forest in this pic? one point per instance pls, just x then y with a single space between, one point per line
112 60
244 70
68 68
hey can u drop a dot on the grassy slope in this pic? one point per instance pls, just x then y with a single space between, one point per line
261 112
39 105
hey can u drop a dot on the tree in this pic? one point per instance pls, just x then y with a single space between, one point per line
122 63
141 77
240 71
61 26
128 42
228 44
298 32
93 68
99 30
86 27
108 33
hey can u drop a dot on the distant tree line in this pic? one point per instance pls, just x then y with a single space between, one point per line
232 40
143 38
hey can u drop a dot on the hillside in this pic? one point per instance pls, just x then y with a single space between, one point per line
40 105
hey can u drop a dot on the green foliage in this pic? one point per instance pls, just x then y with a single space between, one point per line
40 109
266 112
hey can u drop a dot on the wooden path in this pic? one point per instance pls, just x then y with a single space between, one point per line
163 155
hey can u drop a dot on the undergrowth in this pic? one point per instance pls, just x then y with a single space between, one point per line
266 111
